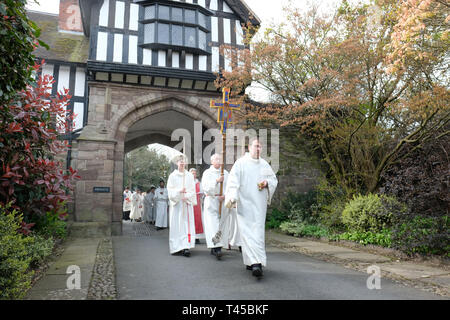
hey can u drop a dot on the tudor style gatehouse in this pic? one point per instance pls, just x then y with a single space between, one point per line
137 70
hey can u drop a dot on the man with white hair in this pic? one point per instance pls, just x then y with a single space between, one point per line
182 198
211 185
251 185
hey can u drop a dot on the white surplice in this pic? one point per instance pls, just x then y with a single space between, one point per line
181 213
211 205
127 200
251 204
160 201
136 202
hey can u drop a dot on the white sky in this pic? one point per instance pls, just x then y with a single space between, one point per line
51 6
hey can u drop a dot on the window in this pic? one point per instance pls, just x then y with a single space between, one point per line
180 26
164 13
163 33
202 20
189 36
149 33
177 35
150 12
202 40
177 14
189 16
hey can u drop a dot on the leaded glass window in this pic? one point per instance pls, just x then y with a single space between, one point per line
180 25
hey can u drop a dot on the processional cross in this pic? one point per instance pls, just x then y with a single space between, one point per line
224 118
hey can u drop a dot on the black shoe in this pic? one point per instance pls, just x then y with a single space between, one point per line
197 241
218 253
240 249
257 270
158 228
186 253
248 267
213 252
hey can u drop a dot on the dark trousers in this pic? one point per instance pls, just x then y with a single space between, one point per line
126 215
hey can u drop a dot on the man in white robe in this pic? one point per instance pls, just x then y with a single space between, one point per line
250 187
136 206
182 197
211 186
126 208
161 201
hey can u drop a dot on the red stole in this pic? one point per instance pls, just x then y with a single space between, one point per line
198 211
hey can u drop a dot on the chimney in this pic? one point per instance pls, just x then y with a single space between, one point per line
70 16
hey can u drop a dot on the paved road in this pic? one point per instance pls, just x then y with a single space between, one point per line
146 270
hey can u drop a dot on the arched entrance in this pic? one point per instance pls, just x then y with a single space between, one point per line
121 119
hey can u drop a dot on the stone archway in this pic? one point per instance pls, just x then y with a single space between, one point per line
101 147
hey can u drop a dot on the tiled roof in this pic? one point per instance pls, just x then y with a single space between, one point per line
64 46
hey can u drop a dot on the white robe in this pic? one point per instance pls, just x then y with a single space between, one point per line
211 206
251 204
161 207
127 203
234 237
148 207
136 206
181 214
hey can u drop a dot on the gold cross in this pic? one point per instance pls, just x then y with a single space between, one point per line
224 110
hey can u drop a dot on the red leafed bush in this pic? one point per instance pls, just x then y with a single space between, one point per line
31 177
422 178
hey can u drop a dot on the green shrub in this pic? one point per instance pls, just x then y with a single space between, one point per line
275 218
14 256
423 235
50 225
330 203
301 229
294 206
382 238
371 212
331 215
39 249
298 205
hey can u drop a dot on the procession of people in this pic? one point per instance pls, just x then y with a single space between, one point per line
227 209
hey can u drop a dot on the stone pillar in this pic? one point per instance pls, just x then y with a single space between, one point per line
94 192
95 162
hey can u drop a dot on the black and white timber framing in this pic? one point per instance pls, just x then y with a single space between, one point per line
119 53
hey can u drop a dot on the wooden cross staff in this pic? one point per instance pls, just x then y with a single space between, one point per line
224 118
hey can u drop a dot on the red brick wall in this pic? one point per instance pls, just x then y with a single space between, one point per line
70 16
